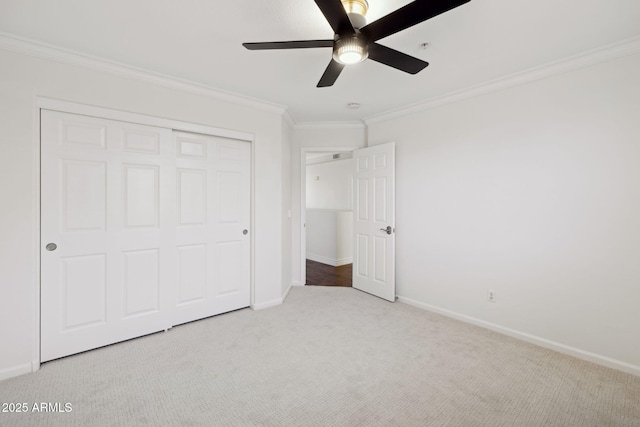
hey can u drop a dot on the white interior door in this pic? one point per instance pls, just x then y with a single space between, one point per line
213 210
107 232
374 221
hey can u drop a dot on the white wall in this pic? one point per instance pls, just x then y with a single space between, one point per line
305 137
329 236
344 238
321 236
329 185
533 192
22 79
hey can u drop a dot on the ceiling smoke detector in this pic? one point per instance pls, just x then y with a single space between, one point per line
353 105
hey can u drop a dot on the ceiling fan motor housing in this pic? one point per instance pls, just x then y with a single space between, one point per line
356 11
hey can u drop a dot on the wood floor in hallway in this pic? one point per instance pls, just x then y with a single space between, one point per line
319 274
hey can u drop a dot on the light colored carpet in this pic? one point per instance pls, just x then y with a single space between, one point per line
327 357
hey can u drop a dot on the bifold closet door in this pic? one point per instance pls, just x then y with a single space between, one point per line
141 229
213 249
107 232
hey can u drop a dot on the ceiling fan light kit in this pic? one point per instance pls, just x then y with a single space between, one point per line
350 50
354 40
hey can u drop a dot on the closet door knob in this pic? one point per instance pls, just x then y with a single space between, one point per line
245 231
51 247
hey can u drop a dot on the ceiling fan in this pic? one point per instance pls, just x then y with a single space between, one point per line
355 40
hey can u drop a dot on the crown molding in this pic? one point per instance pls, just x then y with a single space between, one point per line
40 50
330 125
595 56
288 119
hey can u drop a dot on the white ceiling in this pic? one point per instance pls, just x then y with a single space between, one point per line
200 41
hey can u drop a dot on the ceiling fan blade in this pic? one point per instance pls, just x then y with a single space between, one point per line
408 16
298 44
330 74
398 60
337 17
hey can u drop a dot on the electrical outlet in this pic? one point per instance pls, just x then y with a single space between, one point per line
491 295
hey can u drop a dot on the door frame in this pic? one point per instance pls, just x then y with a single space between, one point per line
43 103
303 199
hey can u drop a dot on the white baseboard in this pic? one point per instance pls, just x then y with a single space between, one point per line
533 339
344 261
285 294
330 261
322 259
15 371
267 304
297 283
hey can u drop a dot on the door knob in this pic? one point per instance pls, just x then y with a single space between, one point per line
387 230
51 247
245 231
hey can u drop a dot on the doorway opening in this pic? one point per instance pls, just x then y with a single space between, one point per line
327 204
